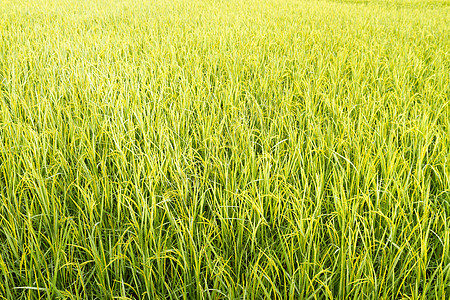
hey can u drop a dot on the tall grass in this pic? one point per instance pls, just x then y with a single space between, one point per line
224 149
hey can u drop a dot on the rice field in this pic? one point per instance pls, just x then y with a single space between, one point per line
279 149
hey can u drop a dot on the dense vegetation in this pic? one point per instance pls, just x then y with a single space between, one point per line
224 149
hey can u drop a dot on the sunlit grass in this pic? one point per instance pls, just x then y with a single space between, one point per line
224 149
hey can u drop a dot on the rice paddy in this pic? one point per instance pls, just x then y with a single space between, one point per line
224 149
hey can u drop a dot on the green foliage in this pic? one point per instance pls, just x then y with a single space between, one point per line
224 150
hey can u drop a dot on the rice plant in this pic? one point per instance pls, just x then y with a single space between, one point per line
261 149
